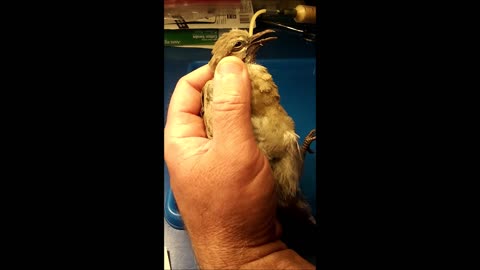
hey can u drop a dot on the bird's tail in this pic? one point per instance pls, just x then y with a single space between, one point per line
293 212
299 228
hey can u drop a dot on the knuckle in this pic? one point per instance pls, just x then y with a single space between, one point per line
228 103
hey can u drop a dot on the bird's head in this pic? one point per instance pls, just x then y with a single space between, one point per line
238 43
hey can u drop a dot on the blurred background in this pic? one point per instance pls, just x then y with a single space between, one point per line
199 23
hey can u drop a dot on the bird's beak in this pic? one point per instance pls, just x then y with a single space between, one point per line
256 42
254 39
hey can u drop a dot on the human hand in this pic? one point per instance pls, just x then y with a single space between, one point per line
223 187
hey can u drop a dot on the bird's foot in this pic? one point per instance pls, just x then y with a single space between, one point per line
312 136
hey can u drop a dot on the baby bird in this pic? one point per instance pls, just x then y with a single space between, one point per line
273 128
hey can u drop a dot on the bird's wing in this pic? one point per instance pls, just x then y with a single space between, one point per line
202 108
206 111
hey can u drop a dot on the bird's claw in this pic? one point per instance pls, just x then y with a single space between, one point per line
312 136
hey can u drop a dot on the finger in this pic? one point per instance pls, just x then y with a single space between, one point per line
231 102
187 93
184 107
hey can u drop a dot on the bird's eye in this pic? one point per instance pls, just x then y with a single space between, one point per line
238 45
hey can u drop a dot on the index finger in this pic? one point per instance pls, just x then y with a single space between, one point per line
183 118
187 93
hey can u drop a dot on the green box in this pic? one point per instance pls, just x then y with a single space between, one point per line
192 36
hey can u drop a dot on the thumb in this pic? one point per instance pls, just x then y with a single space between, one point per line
231 102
